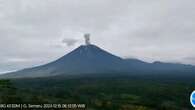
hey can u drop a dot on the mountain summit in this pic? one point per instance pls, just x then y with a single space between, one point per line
84 59
90 59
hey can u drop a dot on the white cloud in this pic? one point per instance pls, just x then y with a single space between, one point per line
149 30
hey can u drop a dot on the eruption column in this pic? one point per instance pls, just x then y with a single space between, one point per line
87 39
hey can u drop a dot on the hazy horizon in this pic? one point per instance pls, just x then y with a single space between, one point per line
37 32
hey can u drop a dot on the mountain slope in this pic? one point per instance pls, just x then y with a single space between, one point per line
84 59
90 59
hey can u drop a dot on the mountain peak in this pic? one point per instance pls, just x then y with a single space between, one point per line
90 58
90 51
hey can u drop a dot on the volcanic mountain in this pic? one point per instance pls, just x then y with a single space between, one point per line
84 59
90 59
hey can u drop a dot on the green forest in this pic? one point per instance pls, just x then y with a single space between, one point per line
102 92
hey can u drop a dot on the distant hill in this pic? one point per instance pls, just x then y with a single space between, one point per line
90 59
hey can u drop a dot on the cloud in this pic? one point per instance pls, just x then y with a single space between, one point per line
149 30
69 41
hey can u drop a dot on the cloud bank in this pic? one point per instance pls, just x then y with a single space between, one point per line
33 32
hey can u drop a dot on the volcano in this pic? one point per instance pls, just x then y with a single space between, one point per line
90 59
83 60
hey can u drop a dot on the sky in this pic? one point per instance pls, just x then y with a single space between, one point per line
35 32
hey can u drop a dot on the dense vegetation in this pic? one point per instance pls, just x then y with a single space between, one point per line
103 92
